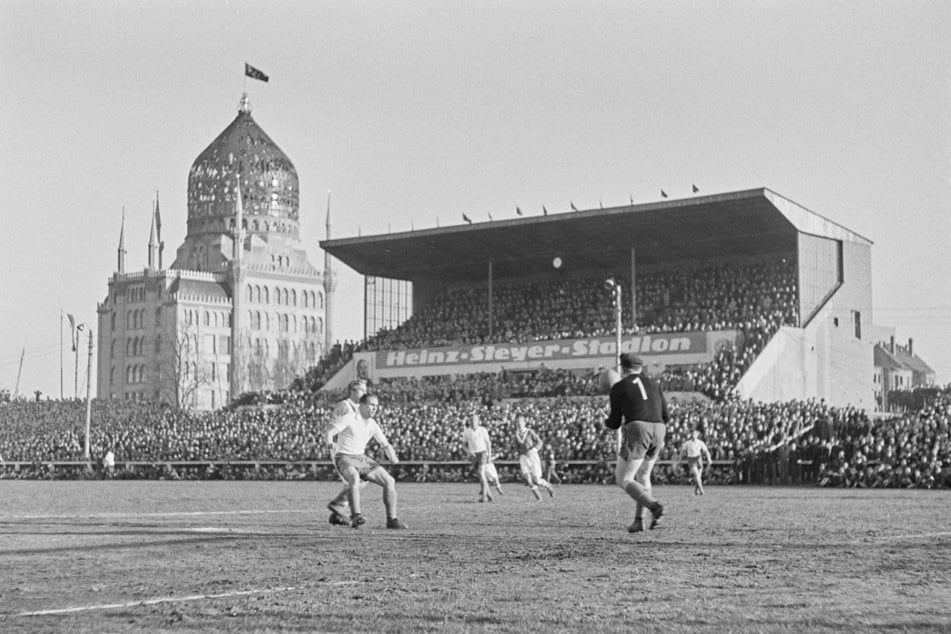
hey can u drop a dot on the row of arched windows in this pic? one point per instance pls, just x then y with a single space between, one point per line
133 374
258 320
135 319
283 296
261 348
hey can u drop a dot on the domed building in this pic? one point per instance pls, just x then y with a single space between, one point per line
241 308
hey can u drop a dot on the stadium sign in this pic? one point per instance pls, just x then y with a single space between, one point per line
658 350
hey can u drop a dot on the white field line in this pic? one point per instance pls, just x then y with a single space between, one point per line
889 538
159 514
157 600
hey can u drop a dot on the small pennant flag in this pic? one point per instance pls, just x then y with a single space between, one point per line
695 189
254 73
544 211
467 218
518 210
72 329
490 215
573 208
663 194
632 198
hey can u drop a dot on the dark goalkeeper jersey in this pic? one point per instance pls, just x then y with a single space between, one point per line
636 397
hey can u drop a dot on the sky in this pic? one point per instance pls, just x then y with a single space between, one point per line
414 112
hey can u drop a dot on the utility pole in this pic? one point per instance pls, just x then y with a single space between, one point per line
88 395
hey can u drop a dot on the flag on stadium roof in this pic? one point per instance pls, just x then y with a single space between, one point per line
573 208
518 210
695 189
467 218
663 194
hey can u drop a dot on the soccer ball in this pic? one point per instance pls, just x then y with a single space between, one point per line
607 379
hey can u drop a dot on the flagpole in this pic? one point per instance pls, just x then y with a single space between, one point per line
76 369
60 354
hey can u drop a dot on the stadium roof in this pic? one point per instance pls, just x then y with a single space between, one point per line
745 223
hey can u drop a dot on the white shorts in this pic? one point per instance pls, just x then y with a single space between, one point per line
531 464
491 473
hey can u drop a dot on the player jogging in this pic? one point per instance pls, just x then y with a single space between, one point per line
479 448
352 434
527 443
695 451
347 407
639 409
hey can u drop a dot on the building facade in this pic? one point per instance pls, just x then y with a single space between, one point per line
241 308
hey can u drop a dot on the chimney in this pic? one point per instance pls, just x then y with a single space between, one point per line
911 347
891 344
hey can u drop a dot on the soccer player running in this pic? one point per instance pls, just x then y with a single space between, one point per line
347 407
527 443
479 447
638 404
695 451
352 434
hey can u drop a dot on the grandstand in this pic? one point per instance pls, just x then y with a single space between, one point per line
783 292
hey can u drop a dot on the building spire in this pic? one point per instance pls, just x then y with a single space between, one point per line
153 242
238 224
120 265
245 106
158 226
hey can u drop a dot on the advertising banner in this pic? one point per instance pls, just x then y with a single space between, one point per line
659 349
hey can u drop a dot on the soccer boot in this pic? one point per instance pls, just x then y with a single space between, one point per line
637 526
657 512
338 515
396 524
357 520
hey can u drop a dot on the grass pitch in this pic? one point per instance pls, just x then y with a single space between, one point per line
260 556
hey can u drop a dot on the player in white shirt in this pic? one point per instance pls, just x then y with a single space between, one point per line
339 506
695 451
348 437
479 448
527 444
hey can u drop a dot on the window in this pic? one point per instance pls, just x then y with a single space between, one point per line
857 324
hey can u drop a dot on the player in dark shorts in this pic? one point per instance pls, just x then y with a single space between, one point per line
639 409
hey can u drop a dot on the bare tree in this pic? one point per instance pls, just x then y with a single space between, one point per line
184 369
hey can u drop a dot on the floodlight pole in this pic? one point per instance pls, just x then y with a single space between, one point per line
88 397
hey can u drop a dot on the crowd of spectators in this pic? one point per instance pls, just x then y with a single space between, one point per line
781 443
746 296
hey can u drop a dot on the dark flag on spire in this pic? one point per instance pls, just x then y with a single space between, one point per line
663 194
467 218
695 189
254 73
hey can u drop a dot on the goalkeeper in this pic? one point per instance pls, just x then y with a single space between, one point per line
352 433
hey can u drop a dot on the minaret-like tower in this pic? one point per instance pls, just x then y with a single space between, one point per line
237 276
153 243
328 289
158 227
120 264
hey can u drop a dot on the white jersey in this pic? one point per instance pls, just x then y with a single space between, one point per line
477 440
695 448
354 432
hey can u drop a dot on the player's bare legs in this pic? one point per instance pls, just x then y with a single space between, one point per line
352 476
385 480
697 473
483 485
634 477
